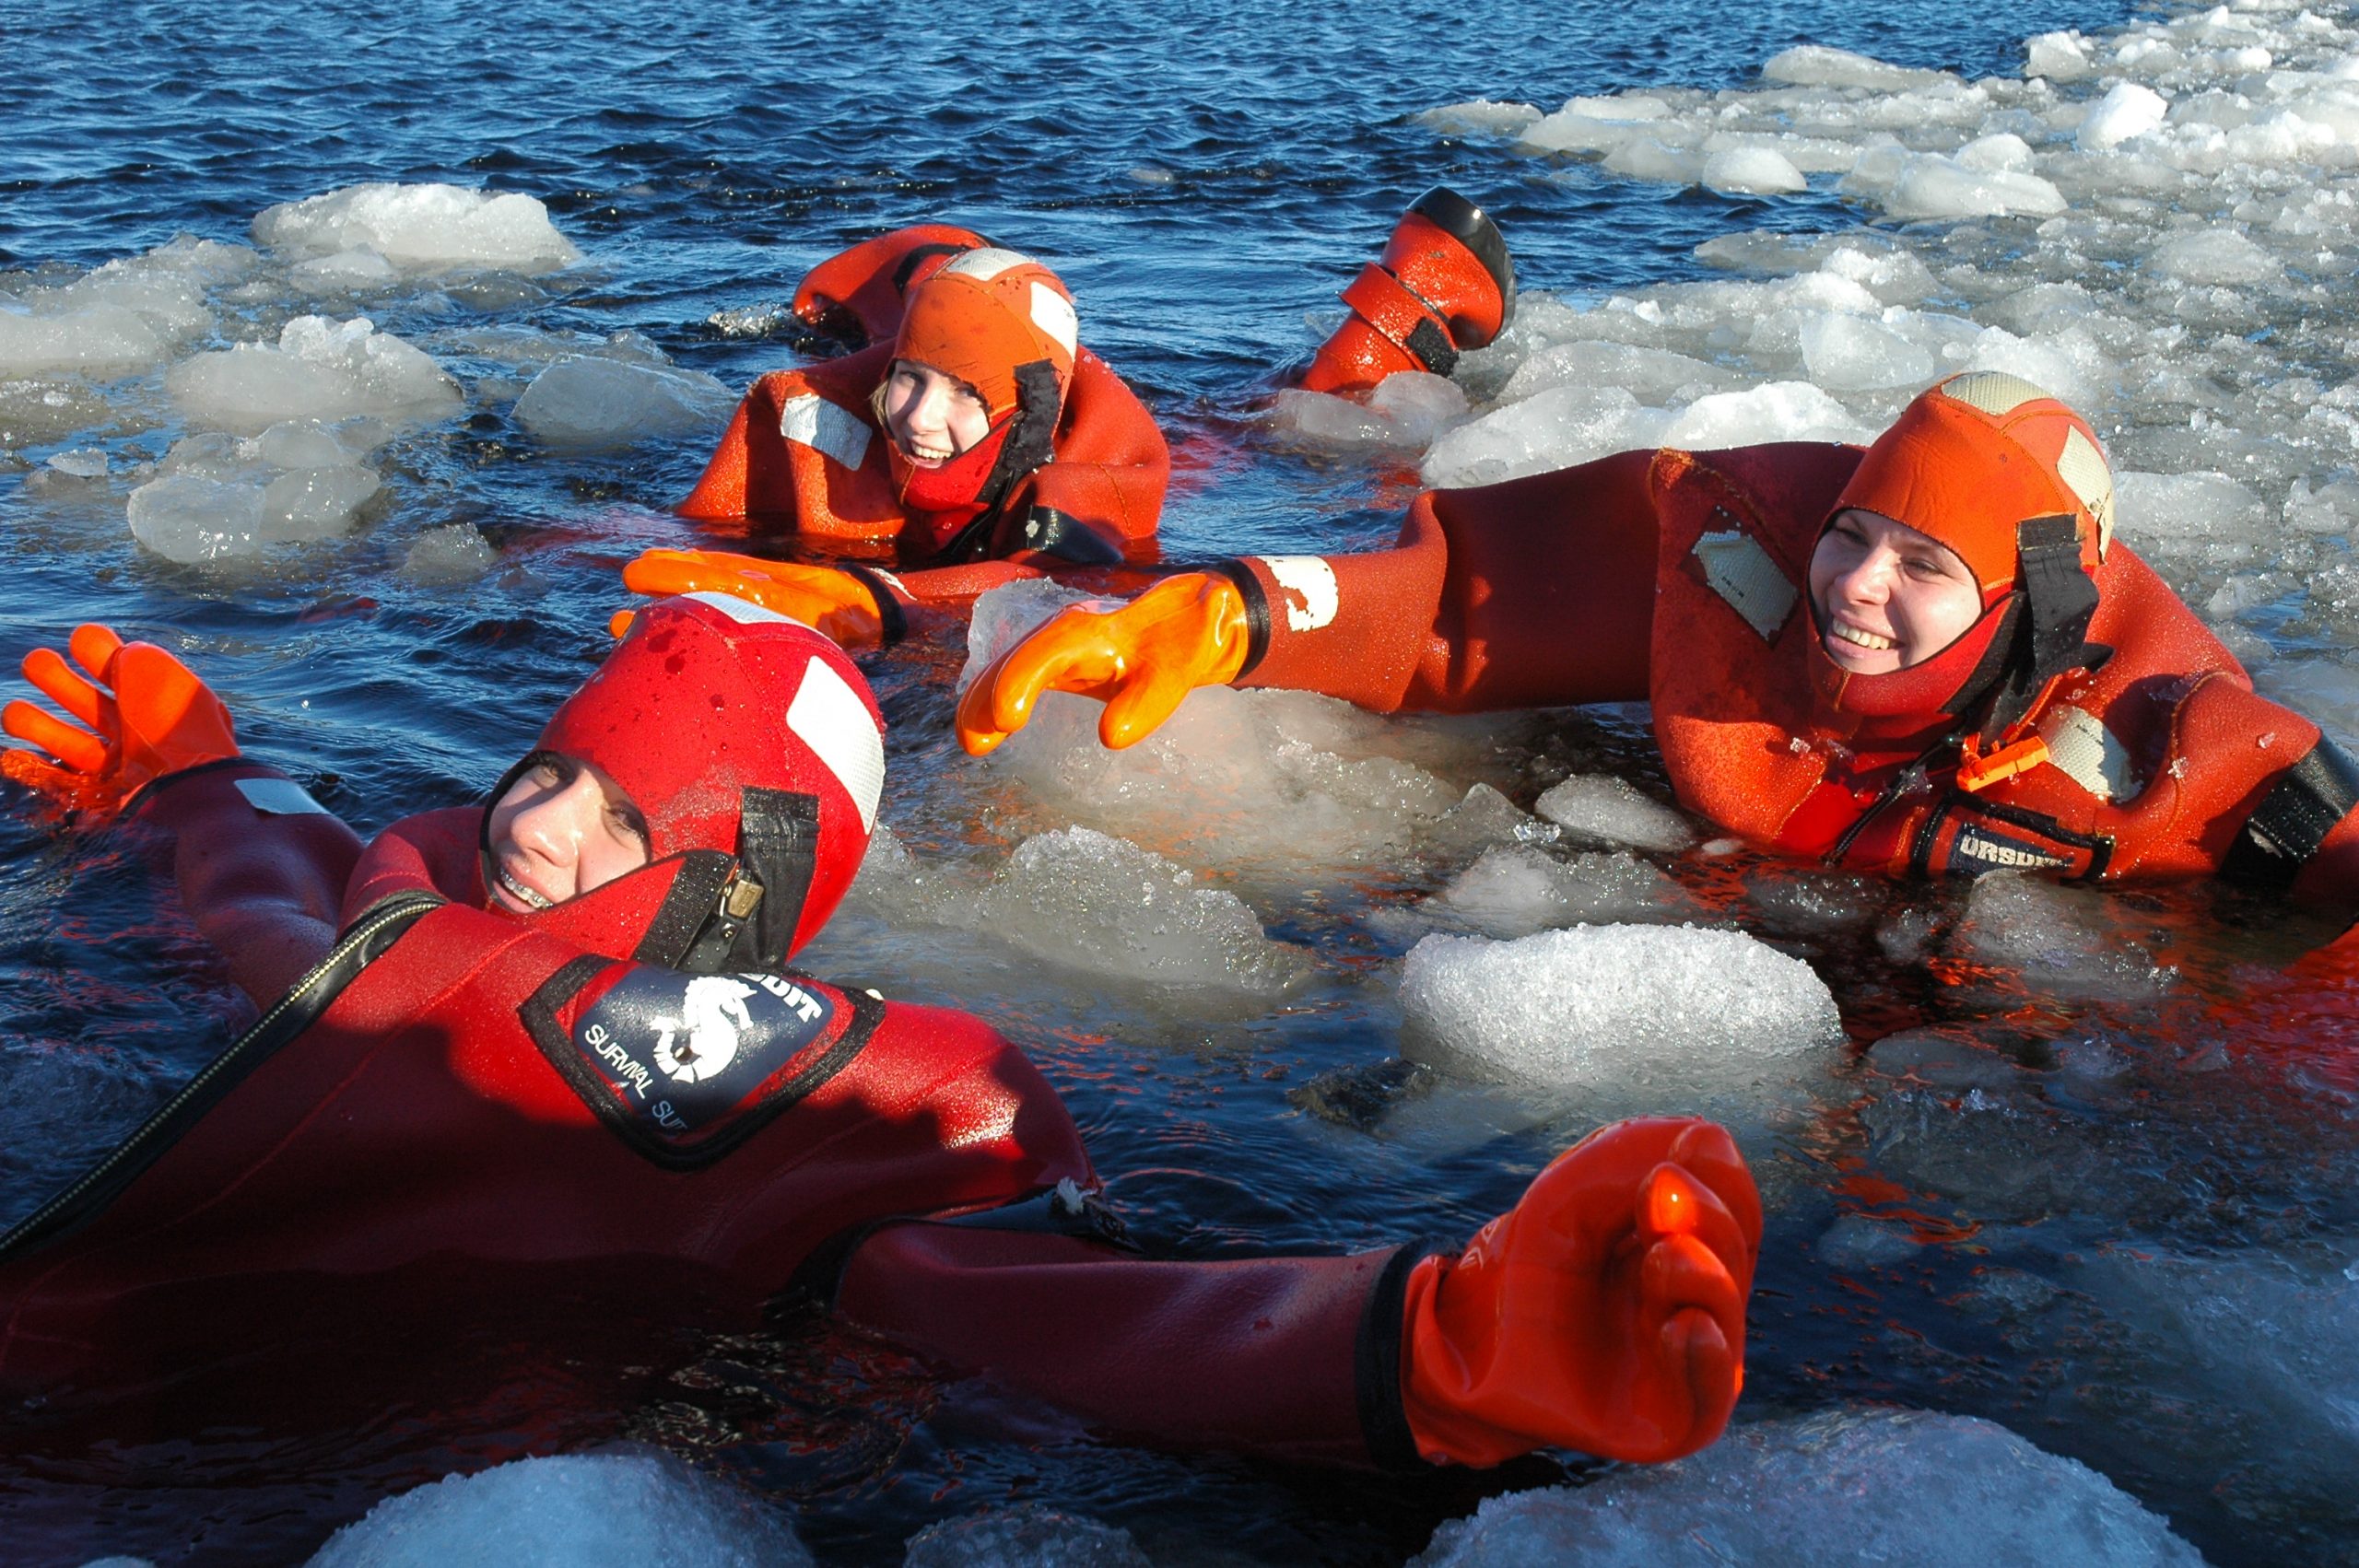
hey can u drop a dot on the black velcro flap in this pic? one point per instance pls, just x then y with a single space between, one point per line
2294 817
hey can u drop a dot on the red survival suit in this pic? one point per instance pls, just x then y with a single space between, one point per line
1073 472
626 1087
2138 746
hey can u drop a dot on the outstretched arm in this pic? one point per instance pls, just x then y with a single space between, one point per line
1539 590
261 866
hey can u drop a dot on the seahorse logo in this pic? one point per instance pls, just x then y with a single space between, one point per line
712 1017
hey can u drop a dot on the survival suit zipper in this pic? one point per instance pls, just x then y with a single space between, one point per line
303 1002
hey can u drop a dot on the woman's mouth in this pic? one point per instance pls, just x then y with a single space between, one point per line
925 454
506 885
1861 637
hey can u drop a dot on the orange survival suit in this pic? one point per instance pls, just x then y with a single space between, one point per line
628 1085
2087 723
1073 471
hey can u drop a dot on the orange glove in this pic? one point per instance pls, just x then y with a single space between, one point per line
1604 1312
834 603
1140 661
151 716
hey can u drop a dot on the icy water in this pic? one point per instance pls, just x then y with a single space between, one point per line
2080 1165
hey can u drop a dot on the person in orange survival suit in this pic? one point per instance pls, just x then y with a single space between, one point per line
1443 284
1928 656
558 1030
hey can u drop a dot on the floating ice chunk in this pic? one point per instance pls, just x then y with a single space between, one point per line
319 369
97 340
1006 616
420 229
627 1509
2002 152
1556 429
1479 117
595 402
2215 255
1612 811
1406 409
1814 66
218 496
1650 158
1606 1004
1855 1241
2175 510
2064 941
1649 375
1840 1488
86 463
2059 56
1753 171
345 269
1847 354
1773 411
1597 124
1023 1537
1931 186
1516 889
453 552
2129 109
1081 898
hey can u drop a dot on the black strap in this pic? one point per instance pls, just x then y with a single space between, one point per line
1432 347
893 623
2285 830
368 939
916 257
688 905
1049 531
1257 613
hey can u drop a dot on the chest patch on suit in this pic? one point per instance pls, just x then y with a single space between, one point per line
824 428
1738 569
1978 849
680 1052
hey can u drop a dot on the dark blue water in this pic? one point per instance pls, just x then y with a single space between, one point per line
1204 179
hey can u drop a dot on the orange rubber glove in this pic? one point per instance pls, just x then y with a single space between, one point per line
833 603
1140 661
1604 1312
148 715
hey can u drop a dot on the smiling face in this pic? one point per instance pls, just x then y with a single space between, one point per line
563 828
1887 596
931 416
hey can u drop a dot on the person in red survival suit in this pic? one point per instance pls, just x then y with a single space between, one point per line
1928 656
558 1030
1443 284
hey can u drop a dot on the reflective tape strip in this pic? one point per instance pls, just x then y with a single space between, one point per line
1053 314
744 612
830 718
2084 467
1741 571
2090 755
984 264
835 432
279 796
1993 392
1311 595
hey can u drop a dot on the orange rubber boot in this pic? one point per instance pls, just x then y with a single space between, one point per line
1604 1312
1444 285
860 293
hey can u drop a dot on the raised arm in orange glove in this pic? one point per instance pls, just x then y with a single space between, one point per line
146 714
1604 1312
1140 661
852 609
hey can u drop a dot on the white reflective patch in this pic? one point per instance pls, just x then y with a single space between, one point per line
2079 743
1053 314
2084 467
1741 571
279 796
1993 392
744 612
830 718
1310 585
824 427
984 264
